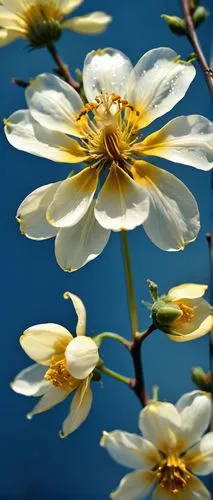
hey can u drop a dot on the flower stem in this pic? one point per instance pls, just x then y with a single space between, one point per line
195 42
108 335
129 283
138 384
115 375
62 67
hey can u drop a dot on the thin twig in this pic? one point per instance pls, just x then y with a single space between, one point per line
138 384
62 67
129 283
20 83
195 42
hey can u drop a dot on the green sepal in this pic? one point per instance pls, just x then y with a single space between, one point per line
176 24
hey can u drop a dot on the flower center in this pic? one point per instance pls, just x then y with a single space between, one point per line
58 374
173 475
108 130
187 312
43 23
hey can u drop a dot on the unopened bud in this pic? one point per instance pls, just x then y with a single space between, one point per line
153 288
176 24
201 379
164 313
200 15
193 5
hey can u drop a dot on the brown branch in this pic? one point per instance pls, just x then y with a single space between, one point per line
138 384
195 42
62 67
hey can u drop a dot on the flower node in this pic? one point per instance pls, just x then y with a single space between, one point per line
43 25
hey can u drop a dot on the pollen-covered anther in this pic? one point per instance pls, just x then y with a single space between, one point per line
173 475
58 374
187 312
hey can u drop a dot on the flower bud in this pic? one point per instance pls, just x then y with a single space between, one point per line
200 15
153 288
176 24
201 379
193 4
164 313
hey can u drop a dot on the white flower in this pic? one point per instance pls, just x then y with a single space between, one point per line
192 314
170 452
64 364
41 21
122 101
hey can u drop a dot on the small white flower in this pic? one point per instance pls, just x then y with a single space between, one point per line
193 315
41 21
63 365
170 452
122 101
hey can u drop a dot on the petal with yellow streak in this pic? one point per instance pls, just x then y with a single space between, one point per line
79 409
173 219
121 203
80 311
201 323
25 134
135 485
73 198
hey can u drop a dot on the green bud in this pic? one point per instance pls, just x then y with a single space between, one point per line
201 379
164 313
153 288
200 15
176 24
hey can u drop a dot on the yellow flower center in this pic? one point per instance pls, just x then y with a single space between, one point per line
172 474
43 22
187 312
110 134
58 374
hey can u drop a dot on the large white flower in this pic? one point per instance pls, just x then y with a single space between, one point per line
170 452
122 101
64 364
41 21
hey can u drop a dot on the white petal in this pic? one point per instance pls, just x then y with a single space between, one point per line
80 311
73 198
24 133
201 323
67 6
186 139
51 398
41 342
199 458
187 291
93 23
195 411
8 36
31 214
54 104
79 410
160 424
81 357
30 381
77 245
130 450
105 70
135 486
157 83
195 490
173 219
121 203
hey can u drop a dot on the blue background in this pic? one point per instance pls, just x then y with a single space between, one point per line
35 463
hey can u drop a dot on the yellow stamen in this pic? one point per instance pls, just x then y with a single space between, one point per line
187 312
58 374
108 135
172 474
